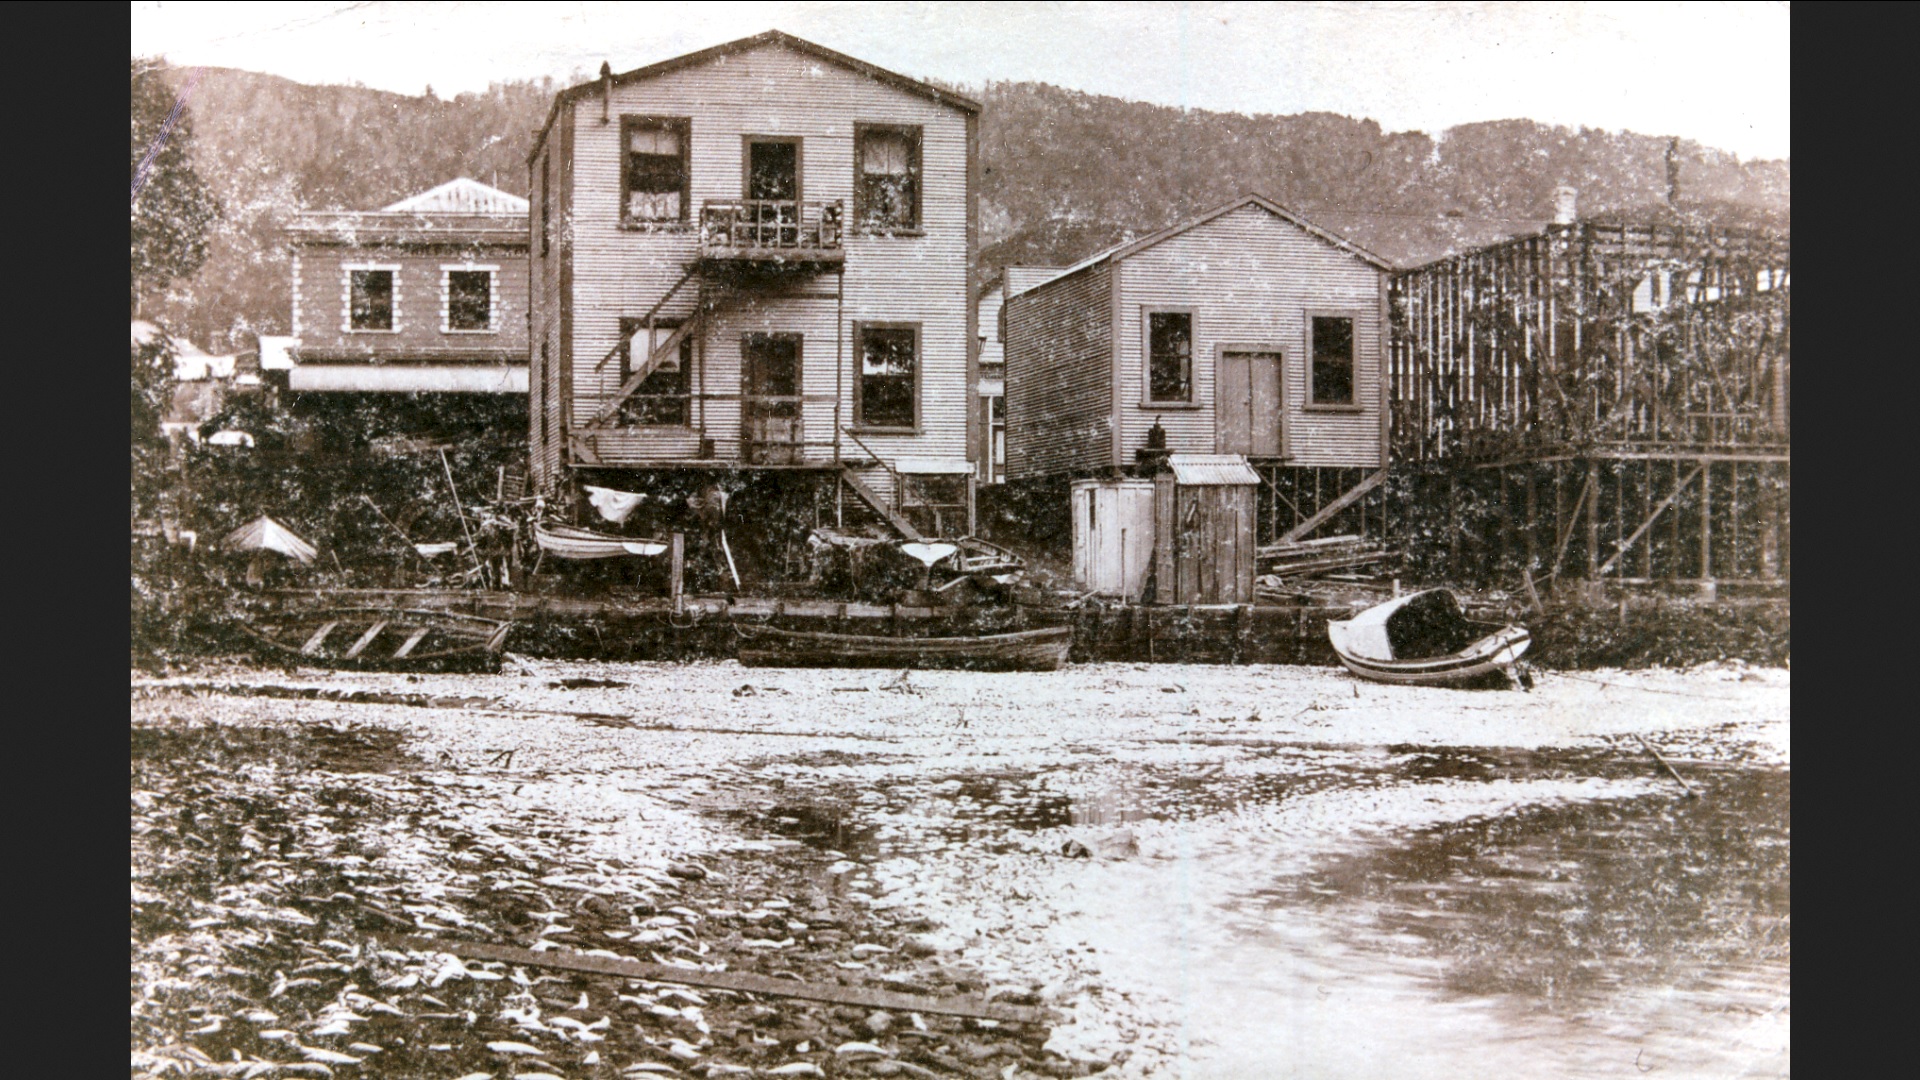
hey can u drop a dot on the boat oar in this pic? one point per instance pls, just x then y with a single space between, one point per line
1691 794
408 540
472 548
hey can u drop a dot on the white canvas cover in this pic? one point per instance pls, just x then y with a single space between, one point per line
265 534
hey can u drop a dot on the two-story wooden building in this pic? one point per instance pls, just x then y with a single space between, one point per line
1247 330
750 271
426 296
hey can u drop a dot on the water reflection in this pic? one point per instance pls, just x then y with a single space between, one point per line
1613 936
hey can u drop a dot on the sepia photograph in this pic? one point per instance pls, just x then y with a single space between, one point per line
926 540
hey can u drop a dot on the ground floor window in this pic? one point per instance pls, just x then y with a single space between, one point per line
1169 357
887 395
1332 360
996 439
663 397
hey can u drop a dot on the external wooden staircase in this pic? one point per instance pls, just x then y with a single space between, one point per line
879 505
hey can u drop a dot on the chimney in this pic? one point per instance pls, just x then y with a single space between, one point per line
1566 202
606 92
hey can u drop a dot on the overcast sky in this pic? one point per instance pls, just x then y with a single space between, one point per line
1717 73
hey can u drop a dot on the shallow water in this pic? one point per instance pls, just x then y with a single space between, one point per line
1633 932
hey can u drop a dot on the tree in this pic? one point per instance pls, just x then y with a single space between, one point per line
172 206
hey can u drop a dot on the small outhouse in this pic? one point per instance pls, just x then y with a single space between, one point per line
1203 515
1112 535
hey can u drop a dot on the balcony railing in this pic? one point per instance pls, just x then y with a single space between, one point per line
771 229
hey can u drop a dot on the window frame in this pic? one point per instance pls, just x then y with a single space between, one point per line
1147 400
492 270
683 125
916 135
1309 403
799 164
632 325
347 270
860 328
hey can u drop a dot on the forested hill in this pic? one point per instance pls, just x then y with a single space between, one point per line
1062 174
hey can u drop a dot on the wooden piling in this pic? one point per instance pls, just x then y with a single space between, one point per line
677 572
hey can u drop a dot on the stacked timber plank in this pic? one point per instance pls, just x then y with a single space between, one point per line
1313 558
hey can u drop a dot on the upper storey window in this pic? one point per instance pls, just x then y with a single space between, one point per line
653 187
887 178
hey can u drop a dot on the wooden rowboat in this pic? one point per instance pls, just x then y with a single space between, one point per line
1423 638
374 639
574 542
1021 650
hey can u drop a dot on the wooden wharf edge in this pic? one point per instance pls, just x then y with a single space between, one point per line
566 960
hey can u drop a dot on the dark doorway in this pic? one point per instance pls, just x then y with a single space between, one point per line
770 424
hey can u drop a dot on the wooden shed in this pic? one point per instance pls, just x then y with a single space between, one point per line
1113 535
1203 514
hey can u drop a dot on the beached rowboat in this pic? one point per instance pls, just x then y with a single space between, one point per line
1022 650
1423 638
574 542
375 639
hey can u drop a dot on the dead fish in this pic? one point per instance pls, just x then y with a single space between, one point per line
329 1057
277 1035
476 1076
656 1067
258 1016
282 984
766 943
687 996
505 1046
871 948
364 1048
539 1076
798 1068
683 1050
338 1026
858 1048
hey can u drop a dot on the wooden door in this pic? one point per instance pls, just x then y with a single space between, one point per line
1247 404
770 430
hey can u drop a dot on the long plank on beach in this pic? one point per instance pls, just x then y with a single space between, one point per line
567 960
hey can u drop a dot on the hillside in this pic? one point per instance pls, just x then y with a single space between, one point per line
1062 174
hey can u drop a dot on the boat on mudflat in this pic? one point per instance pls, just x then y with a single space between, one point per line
1021 650
1424 638
573 542
377 639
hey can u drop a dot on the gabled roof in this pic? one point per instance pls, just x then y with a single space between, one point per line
747 44
460 196
1121 251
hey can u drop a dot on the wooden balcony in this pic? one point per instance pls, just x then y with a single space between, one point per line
772 233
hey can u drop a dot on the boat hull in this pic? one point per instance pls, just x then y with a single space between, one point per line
1023 650
370 639
1495 653
572 542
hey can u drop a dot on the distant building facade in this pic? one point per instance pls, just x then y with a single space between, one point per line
427 295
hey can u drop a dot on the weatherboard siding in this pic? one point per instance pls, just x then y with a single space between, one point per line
1251 279
621 272
1059 351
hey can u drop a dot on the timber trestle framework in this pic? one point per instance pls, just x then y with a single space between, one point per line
1606 403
